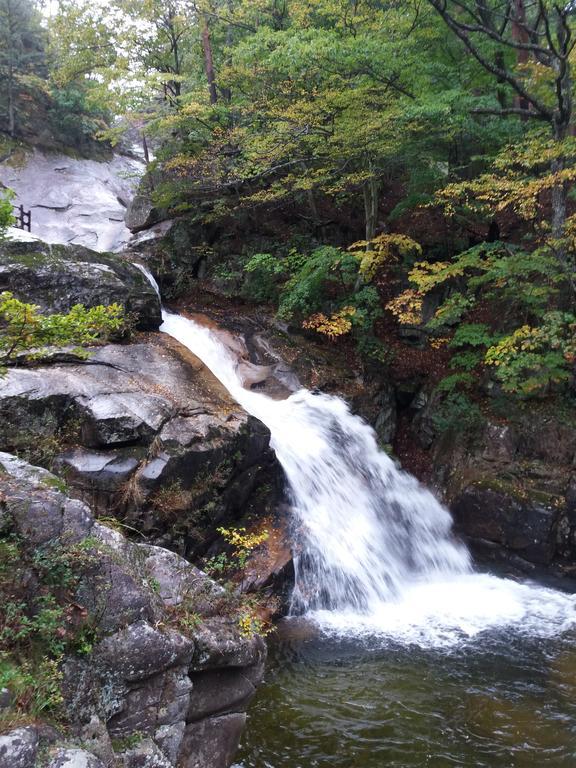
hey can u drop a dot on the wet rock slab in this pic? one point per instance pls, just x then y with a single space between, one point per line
74 200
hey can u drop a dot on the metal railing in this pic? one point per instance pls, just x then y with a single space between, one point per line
23 218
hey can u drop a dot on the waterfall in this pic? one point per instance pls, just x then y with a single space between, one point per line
373 549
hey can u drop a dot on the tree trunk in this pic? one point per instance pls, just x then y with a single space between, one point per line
227 92
559 198
371 199
145 149
520 35
208 60
11 110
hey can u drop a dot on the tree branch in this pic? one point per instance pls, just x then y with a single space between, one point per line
503 74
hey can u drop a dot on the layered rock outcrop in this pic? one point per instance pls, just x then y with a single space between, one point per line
56 277
167 674
144 432
510 486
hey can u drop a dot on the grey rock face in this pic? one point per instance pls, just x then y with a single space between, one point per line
211 743
526 528
141 677
220 645
142 417
75 200
18 748
139 651
96 737
219 691
141 213
146 755
510 488
56 277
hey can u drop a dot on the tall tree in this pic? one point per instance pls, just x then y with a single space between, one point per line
528 48
22 56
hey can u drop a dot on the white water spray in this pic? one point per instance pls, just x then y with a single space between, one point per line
373 549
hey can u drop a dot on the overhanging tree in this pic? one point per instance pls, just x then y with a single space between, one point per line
527 46
22 57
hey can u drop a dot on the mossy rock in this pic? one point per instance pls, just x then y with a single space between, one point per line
56 277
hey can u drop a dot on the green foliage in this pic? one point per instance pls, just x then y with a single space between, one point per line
73 117
6 215
308 290
531 360
242 544
24 330
471 335
454 382
37 629
456 412
264 272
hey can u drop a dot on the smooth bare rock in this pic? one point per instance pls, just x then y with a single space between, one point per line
220 691
18 748
75 200
123 394
523 526
169 739
211 743
141 213
74 758
39 511
157 701
97 468
56 277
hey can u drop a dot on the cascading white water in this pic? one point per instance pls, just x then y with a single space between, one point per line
373 548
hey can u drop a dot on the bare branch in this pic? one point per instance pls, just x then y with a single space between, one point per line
503 74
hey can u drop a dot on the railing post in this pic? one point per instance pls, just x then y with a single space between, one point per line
23 218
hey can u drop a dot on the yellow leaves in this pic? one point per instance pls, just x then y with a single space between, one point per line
373 254
407 307
518 180
426 275
437 343
338 324
241 540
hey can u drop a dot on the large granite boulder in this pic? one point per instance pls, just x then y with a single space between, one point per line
141 213
143 431
55 277
167 675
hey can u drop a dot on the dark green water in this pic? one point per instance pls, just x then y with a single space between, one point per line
499 701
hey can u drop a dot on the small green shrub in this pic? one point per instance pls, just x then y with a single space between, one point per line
23 329
6 215
457 412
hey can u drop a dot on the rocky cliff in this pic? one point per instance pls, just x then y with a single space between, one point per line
144 661
119 652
